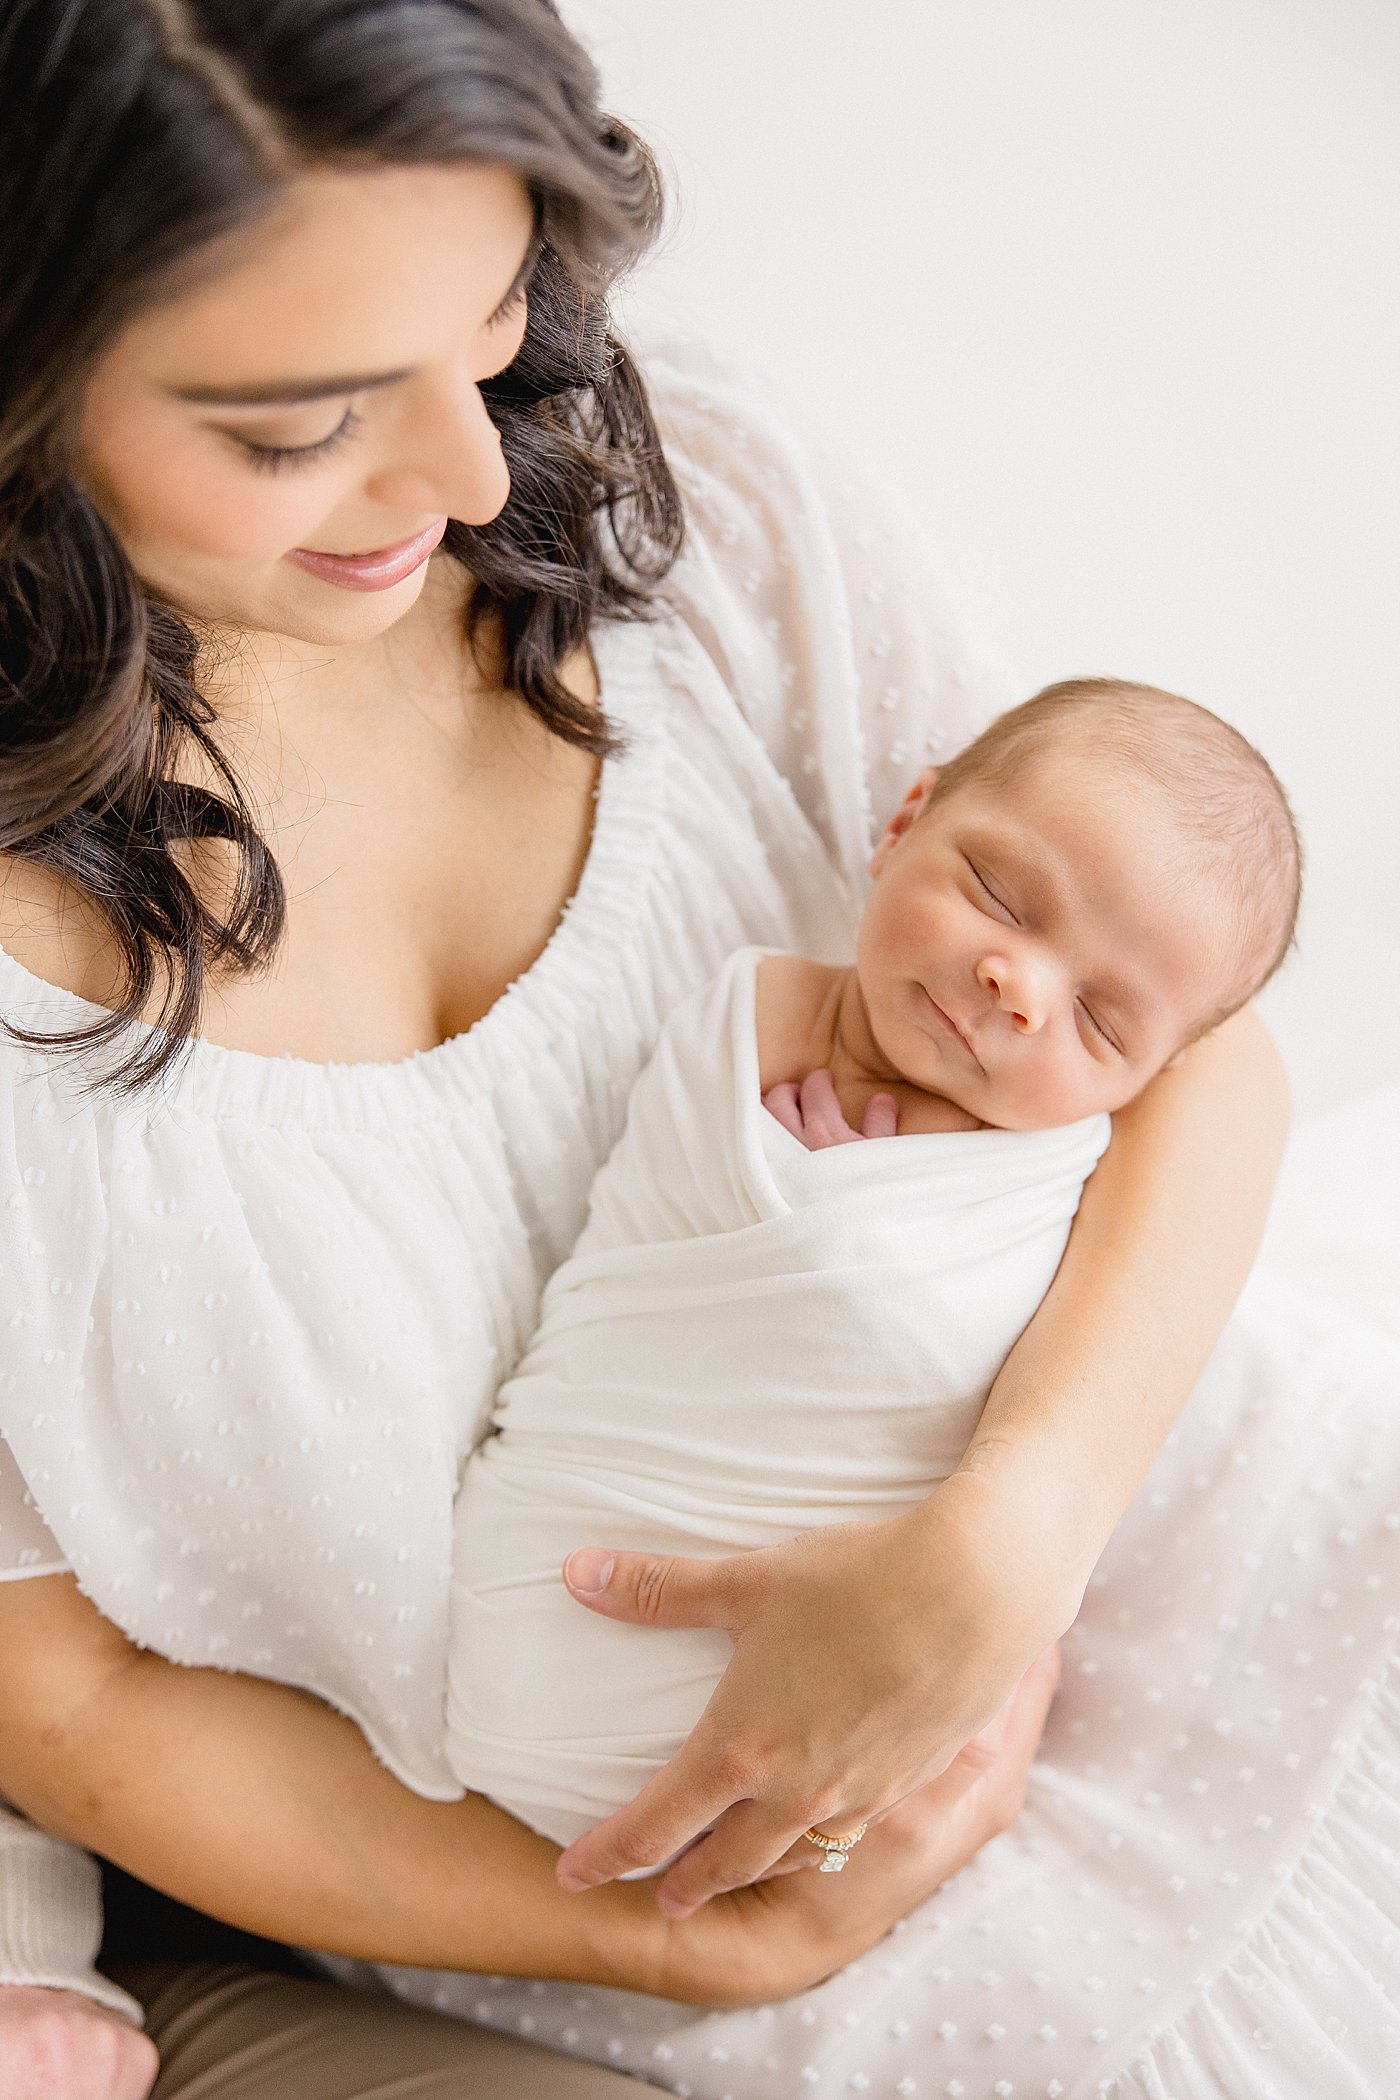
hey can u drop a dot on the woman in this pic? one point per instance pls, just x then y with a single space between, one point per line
296 296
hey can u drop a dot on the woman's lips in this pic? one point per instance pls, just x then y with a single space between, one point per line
375 571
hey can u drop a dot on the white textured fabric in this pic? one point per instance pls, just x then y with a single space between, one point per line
263 1321
50 1922
750 1339
255 1325
27 1546
1202 1898
1201 1902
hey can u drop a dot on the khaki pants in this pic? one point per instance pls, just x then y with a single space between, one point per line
235 2033
237 2018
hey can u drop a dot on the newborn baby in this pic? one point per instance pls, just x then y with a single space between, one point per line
753 1337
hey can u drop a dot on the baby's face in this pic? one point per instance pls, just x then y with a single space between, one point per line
1036 949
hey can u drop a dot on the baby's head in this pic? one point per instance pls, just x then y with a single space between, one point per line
1104 875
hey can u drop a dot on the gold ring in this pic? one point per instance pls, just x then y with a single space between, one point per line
835 1849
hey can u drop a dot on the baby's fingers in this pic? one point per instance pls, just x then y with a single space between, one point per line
822 1121
881 1117
781 1101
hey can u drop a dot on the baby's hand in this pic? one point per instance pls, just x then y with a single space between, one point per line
813 1113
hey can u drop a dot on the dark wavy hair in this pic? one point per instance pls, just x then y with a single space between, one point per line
135 133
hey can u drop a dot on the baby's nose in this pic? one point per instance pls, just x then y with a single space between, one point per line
1016 991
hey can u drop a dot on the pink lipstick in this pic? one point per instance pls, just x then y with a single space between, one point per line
375 571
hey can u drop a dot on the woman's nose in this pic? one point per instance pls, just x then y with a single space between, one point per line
449 459
1019 988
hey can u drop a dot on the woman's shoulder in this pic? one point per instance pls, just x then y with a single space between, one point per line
791 535
55 934
785 548
53 931
750 477
714 408
749 454
810 597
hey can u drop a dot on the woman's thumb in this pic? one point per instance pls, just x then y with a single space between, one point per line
652 1589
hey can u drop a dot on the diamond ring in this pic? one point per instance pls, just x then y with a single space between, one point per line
835 1848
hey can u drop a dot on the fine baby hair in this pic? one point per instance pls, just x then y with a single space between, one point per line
1220 792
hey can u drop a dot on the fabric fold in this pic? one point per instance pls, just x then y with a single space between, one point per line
750 1340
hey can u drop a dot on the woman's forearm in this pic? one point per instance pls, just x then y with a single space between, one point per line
1164 1239
865 1657
260 1805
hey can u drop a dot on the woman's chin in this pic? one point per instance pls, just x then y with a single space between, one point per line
314 614
329 616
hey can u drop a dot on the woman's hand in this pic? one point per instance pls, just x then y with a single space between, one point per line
58 2045
791 1931
865 1657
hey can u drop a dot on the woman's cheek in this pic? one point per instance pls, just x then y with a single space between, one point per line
203 500
234 513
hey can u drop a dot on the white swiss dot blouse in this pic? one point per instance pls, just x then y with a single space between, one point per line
255 1325
255 1322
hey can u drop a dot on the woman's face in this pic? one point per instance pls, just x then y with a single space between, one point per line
319 396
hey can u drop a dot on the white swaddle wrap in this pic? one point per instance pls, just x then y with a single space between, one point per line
750 1339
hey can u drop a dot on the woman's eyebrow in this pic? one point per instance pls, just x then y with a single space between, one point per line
291 393
288 393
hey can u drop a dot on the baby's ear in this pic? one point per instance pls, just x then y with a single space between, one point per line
913 805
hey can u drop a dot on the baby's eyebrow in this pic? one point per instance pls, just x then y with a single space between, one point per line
1006 861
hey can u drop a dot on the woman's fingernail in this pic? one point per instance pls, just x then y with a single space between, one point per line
572 1884
673 1907
590 1570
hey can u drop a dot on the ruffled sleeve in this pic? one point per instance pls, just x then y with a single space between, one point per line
50 1895
837 646
27 1546
51 1916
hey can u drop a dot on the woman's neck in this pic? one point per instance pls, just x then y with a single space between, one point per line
303 690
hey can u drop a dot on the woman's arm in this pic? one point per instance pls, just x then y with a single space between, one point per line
1166 1235
865 1656
259 1804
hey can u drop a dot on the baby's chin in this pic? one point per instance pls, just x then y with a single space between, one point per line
999 1110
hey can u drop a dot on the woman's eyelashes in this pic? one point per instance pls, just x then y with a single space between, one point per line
508 308
272 459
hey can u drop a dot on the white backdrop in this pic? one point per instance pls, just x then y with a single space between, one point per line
1104 295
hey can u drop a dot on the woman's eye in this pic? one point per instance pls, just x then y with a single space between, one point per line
270 458
1000 904
508 308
